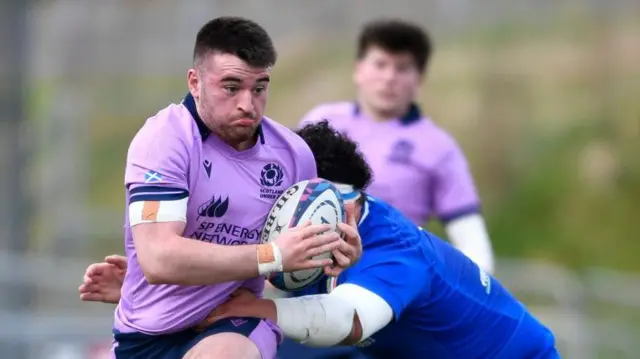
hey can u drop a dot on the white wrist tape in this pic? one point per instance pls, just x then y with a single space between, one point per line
315 320
269 258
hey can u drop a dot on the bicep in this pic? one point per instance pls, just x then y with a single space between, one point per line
372 311
398 277
148 238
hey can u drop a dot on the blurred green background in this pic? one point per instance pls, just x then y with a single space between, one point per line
543 96
548 114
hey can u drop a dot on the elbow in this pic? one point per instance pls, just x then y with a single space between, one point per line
154 266
355 335
155 276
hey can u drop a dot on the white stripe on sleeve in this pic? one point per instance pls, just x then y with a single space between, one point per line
158 211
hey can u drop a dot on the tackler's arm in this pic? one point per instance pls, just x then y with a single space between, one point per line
347 316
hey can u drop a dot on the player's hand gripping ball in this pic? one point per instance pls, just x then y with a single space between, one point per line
316 200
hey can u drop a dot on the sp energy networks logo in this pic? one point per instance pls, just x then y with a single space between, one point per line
214 208
213 229
271 179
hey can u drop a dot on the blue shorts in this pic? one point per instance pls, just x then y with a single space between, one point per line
293 350
176 345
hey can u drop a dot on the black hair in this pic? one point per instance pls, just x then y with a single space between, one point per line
236 36
337 157
396 36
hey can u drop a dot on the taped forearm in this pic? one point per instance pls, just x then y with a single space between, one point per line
329 319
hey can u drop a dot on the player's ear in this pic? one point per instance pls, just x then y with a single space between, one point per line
193 82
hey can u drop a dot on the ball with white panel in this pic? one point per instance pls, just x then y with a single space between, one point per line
316 200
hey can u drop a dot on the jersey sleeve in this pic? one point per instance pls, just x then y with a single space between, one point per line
454 193
156 175
306 164
396 272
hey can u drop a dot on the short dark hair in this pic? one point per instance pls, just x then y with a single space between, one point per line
396 36
236 36
337 157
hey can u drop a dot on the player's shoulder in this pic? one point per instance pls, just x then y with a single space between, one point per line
333 112
439 144
171 126
382 224
438 135
279 136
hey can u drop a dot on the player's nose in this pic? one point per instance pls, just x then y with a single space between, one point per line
245 102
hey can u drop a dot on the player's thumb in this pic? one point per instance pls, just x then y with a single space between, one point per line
351 213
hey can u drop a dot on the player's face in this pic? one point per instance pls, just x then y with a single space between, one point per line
387 82
231 97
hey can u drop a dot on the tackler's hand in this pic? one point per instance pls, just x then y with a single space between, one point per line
350 250
238 300
102 281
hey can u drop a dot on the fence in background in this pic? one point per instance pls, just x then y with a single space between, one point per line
594 315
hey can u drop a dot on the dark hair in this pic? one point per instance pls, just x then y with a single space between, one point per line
236 36
396 36
337 157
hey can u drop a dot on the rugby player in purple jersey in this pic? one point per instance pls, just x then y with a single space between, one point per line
201 177
418 167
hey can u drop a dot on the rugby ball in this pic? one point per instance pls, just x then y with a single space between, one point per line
317 200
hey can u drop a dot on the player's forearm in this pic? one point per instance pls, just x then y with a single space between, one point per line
263 309
469 234
185 261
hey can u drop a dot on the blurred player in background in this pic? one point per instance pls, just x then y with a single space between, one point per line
201 177
418 167
411 296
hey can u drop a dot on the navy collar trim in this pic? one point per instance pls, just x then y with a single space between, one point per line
410 117
190 103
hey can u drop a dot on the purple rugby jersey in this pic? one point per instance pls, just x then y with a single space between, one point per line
229 194
418 167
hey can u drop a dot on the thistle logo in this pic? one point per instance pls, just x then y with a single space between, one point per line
214 208
271 175
401 152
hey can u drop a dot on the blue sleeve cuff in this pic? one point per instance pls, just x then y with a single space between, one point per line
462 212
157 193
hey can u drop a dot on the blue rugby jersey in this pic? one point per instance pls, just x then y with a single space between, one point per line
444 306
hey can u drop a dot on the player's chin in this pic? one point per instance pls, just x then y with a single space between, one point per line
244 133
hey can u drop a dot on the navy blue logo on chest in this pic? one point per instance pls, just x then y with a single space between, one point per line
401 152
216 224
271 180
207 167
271 175
216 207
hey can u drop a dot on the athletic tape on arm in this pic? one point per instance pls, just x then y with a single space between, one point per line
327 319
158 211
